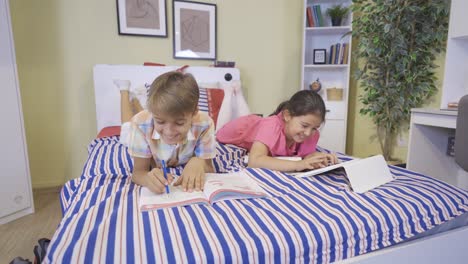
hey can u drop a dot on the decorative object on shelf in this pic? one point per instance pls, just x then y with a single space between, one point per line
194 30
316 86
224 64
337 13
393 84
142 19
320 56
334 94
452 105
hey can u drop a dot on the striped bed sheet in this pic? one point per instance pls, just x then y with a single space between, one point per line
317 219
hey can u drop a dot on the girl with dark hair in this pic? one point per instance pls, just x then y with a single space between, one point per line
292 130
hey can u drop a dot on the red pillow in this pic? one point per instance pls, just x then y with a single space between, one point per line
210 101
215 99
109 131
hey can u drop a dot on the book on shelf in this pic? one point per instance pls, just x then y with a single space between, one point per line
218 187
363 174
342 52
345 54
337 50
310 19
332 54
339 53
317 16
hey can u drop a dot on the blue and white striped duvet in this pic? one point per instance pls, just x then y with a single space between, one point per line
314 219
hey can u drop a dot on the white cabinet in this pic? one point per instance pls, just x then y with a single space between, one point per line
335 74
15 186
427 148
458 19
456 67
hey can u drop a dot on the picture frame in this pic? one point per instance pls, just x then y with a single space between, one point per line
194 29
320 56
148 19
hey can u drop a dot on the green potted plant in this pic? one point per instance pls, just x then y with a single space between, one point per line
397 49
337 13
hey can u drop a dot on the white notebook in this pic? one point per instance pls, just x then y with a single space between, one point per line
363 174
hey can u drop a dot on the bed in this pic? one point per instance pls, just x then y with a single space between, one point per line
306 220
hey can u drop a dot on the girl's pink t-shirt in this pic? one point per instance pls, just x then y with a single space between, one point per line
244 130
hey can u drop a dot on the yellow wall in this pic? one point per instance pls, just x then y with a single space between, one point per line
57 43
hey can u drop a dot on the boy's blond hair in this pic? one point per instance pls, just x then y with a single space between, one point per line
173 93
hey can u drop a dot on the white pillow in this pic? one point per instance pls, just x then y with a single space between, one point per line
234 104
141 93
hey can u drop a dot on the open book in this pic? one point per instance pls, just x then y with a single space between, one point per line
218 187
363 174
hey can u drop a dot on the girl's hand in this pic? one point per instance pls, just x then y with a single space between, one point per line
156 182
193 176
317 160
331 158
311 163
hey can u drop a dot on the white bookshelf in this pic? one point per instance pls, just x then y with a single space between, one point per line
333 134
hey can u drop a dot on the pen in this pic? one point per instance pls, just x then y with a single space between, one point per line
165 174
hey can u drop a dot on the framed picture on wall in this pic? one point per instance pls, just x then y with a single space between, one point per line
320 56
142 18
194 30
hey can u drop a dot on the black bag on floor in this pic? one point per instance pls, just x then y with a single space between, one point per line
20 260
40 250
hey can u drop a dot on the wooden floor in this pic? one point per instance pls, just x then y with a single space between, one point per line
19 237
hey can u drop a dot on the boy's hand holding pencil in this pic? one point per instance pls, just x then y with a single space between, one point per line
158 180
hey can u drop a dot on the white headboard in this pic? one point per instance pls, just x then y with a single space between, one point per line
108 96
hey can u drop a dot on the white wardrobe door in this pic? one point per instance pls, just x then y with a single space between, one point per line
15 188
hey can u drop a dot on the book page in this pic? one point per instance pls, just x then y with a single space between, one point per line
367 174
175 197
363 174
321 170
234 185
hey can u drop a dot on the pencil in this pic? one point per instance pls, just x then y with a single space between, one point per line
165 174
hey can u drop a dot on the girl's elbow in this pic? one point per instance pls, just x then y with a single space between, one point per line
253 162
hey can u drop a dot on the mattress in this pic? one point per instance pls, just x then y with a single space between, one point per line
318 219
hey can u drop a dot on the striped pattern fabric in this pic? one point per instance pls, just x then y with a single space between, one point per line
203 100
317 219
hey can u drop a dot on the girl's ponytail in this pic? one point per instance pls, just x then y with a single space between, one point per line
280 108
